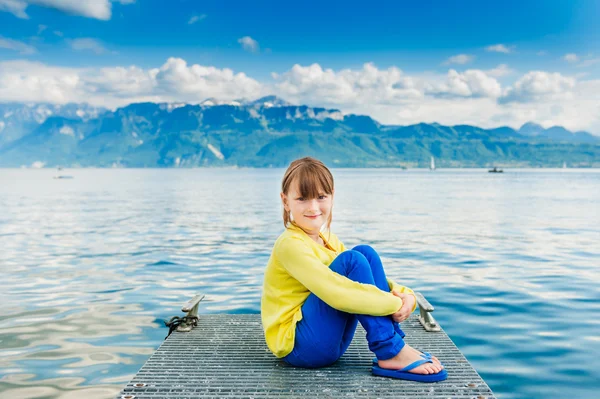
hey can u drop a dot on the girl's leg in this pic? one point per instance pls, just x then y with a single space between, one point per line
378 274
324 333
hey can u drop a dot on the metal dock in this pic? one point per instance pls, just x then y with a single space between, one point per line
225 355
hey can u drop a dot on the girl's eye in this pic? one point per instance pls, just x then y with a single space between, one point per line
322 197
300 198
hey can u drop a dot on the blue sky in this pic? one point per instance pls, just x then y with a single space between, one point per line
511 48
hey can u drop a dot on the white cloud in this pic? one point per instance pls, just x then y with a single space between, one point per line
16 45
196 82
98 9
196 18
571 57
589 62
536 86
26 81
389 95
471 83
174 81
124 82
87 44
472 97
577 108
41 28
499 48
315 85
542 52
16 7
500 71
249 44
460 59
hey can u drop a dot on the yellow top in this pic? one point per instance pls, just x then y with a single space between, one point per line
298 266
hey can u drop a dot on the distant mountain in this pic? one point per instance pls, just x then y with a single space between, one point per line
266 132
18 120
531 129
556 133
584 137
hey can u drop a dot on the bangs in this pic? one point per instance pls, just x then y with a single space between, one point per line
311 182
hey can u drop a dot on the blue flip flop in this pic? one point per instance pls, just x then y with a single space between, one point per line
403 374
424 355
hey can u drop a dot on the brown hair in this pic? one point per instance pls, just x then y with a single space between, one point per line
312 177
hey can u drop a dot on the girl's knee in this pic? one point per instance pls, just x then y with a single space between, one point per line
349 262
364 249
355 258
359 263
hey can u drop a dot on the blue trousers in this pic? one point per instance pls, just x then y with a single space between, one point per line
324 333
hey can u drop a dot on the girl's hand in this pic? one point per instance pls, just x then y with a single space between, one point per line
408 301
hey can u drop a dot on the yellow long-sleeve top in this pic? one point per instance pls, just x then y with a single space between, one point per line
298 266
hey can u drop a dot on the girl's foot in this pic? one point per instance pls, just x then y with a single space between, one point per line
410 355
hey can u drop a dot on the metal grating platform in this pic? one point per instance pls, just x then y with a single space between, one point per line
226 356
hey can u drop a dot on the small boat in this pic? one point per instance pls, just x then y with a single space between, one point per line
564 165
495 170
62 176
432 165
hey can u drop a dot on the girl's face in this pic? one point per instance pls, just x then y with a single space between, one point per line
308 214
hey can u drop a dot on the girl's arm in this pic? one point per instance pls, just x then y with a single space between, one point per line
338 291
393 286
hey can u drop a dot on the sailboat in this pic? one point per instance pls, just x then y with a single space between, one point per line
432 165
564 165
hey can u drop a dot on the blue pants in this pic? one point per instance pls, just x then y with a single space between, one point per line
324 333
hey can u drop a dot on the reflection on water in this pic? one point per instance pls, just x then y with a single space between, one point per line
57 351
91 266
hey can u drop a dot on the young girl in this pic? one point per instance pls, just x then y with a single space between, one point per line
315 291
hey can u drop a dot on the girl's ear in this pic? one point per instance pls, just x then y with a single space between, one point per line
284 201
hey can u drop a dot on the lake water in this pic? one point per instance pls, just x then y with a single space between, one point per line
91 266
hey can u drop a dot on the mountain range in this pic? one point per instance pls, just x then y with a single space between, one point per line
268 132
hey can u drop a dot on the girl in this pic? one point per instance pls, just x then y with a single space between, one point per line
315 291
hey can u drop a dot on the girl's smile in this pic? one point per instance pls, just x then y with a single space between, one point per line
312 216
